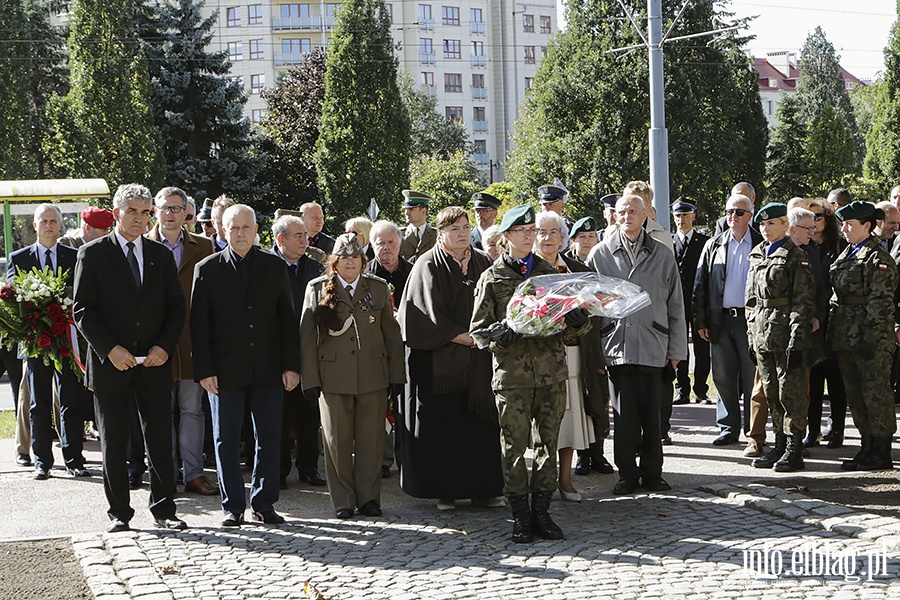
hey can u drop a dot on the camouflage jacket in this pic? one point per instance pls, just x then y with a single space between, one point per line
781 298
862 305
529 362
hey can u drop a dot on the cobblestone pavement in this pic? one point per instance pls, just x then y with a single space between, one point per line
691 544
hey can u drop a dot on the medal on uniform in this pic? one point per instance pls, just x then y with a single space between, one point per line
371 319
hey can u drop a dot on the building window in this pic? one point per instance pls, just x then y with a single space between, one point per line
294 10
528 23
771 107
256 49
478 113
453 82
529 55
254 14
233 16
235 51
428 79
477 48
426 51
480 145
257 83
529 83
545 24
296 46
450 15
476 20
454 113
544 51
256 115
426 20
477 80
452 49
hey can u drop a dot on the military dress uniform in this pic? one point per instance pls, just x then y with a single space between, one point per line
780 305
861 333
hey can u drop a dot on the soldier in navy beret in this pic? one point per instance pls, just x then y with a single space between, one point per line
485 206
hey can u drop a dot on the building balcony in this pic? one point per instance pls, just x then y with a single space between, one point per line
426 25
329 22
481 159
479 61
431 91
296 23
478 27
426 58
479 126
287 59
479 93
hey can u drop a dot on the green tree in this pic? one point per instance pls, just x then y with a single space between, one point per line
882 162
290 131
586 118
431 133
449 181
198 107
830 151
363 149
786 168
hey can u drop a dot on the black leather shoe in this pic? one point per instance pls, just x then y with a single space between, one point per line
41 474
626 486
659 485
583 466
344 513
233 520
315 479
681 400
23 460
117 525
269 517
385 472
725 439
79 472
370 509
602 465
135 483
172 523
666 440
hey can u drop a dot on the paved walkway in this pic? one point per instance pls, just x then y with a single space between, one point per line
692 542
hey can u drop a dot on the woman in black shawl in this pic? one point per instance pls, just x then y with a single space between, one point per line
448 437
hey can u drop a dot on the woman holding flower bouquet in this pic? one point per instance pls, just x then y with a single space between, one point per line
529 379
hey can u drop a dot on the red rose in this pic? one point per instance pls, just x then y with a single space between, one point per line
30 304
44 340
58 328
64 351
36 315
55 311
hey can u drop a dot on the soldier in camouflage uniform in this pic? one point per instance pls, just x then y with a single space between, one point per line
781 293
861 333
529 379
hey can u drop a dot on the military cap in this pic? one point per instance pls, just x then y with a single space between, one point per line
520 215
347 244
484 200
283 212
414 198
684 205
584 224
205 215
610 200
551 193
773 210
857 210
101 218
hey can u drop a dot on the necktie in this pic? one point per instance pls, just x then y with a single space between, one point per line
133 263
349 289
48 260
418 237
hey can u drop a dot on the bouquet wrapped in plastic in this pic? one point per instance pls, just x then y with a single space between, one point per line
539 305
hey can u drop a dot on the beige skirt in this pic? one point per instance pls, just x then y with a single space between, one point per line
577 429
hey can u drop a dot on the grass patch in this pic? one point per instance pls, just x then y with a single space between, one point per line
7 424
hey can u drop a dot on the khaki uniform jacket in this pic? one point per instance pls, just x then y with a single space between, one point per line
367 356
410 248
781 299
530 362
196 248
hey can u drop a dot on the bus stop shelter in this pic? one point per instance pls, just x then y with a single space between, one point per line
45 190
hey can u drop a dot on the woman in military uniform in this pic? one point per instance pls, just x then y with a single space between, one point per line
529 379
861 332
781 294
351 353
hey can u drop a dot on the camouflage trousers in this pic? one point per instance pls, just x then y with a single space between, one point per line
785 391
869 394
530 414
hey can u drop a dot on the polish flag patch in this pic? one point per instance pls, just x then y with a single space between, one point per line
804 264
882 267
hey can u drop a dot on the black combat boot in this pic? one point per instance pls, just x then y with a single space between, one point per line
583 466
768 460
541 522
792 459
879 458
521 518
861 457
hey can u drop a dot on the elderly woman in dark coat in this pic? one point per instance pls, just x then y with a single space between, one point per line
448 434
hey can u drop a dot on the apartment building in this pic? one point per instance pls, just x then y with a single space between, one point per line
478 58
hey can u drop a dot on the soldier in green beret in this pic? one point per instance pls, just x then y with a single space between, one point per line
861 333
781 294
529 380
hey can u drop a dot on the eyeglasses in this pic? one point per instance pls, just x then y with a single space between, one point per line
170 209
738 212
526 231
818 216
811 229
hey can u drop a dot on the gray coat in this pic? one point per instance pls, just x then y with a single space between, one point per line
657 332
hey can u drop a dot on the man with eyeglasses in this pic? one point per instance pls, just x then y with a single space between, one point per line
187 396
718 310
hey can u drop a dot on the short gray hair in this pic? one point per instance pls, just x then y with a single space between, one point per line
47 205
734 198
232 211
795 215
381 227
131 191
548 215
164 193
283 223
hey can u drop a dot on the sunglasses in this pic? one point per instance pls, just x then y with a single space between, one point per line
818 216
738 212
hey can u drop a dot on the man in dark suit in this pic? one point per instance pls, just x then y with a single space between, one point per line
187 249
219 206
314 219
46 253
485 207
130 308
246 344
291 243
688 248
